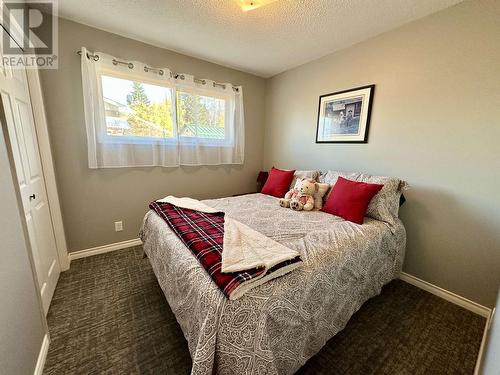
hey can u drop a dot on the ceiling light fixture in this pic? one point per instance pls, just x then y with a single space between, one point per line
247 5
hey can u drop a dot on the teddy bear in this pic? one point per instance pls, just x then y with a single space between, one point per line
301 197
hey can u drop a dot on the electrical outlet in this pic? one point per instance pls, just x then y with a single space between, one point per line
118 226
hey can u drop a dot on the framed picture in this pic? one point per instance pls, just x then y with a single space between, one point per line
344 116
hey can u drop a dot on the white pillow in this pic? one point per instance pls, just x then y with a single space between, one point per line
318 196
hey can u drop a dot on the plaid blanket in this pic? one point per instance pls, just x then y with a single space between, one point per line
203 234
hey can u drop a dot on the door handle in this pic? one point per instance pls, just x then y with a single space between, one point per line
33 196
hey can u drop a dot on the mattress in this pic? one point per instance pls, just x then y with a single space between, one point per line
276 327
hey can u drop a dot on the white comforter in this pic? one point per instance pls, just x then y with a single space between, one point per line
276 327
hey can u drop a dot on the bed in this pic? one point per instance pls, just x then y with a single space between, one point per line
276 327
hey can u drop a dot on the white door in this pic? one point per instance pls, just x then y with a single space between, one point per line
18 116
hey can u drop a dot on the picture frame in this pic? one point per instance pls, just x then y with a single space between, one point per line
344 116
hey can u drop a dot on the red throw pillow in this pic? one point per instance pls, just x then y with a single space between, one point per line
350 199
278 183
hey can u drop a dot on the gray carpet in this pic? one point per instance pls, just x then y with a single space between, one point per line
109 316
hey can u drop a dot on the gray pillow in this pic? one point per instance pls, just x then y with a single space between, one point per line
330 177
384 206
298 175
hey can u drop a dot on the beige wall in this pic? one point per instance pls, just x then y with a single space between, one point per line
22 328
92 200
435 122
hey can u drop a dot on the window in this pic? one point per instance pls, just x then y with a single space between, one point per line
201 116
140 112
136 115
137 109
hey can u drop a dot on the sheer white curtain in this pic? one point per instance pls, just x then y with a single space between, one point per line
198 122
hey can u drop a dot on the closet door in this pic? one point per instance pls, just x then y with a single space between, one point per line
17 114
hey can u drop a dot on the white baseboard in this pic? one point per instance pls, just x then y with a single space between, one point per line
447 295
40 363
478 368
104 249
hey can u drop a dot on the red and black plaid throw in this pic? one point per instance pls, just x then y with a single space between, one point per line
203 234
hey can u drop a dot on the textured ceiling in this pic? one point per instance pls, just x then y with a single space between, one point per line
264 41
